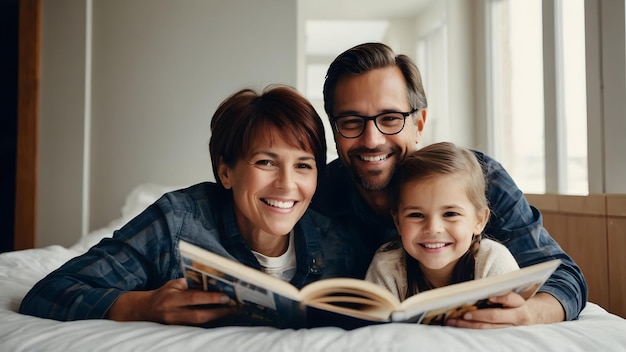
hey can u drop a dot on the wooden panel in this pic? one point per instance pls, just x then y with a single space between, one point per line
556 224
587 245
593 204
544 202
616 207
27 123
617 266
578 224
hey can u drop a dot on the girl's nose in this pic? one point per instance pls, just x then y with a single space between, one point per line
434 225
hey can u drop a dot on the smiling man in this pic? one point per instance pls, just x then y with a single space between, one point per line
377 107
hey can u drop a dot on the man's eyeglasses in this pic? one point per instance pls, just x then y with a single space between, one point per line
352 126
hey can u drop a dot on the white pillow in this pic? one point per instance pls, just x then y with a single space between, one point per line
142 196
137 201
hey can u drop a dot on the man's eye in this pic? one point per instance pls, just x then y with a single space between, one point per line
350 122
390 120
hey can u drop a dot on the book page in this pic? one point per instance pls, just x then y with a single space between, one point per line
356 298
259 299
248 279
473 294
350 286
361 310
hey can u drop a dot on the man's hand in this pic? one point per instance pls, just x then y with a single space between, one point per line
542 308
170 304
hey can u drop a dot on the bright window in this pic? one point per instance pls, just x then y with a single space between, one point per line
573 85
516 90
544 153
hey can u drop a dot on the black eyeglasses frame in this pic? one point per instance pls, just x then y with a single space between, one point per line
373 118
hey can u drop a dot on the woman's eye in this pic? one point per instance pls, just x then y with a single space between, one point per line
305 166
450 214
264 162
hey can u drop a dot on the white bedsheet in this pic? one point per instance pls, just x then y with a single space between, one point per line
597 330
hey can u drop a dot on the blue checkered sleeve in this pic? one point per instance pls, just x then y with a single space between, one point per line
519 226
137 257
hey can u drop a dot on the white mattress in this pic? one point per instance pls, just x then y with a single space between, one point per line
596 330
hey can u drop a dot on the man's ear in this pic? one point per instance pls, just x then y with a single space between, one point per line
420 122
223 173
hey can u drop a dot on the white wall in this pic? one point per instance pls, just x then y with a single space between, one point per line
460 72
159 68
61 125
447 27
606 119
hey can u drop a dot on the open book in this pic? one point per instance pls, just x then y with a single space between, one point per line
345 302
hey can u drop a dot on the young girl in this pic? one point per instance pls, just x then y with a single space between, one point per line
440 210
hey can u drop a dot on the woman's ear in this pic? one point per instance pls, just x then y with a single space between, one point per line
481 221
223 173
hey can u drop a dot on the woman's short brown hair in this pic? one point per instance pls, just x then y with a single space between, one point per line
245 116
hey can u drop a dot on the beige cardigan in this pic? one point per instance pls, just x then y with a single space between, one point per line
388 268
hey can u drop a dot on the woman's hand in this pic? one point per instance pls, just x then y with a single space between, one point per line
170 304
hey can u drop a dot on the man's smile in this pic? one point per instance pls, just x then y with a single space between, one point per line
374 157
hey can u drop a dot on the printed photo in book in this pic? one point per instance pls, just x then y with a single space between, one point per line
256 304
345 302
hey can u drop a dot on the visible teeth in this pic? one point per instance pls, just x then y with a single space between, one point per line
375 157
434 245
279 204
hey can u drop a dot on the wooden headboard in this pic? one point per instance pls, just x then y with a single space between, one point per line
27 124
592 230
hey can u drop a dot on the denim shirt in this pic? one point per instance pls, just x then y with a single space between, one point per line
144 254
513 222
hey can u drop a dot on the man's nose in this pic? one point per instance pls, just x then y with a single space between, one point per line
372 137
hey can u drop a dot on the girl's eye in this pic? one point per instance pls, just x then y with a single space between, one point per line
450 214
415 215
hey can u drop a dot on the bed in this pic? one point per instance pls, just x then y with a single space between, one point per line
596 330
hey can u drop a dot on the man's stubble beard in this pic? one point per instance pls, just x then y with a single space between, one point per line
369 186
362 179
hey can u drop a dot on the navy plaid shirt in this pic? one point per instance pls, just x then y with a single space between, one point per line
143 254
513 222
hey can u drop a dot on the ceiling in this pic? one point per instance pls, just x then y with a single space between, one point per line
360 9
331 26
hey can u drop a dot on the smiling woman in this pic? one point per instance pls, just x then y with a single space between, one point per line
273 173
267 150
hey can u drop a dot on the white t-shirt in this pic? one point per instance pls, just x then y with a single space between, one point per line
283 266
388 268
